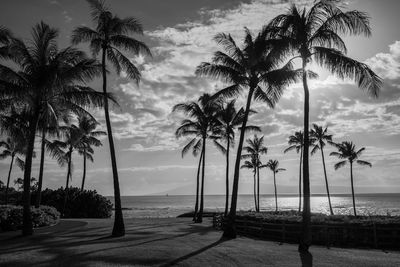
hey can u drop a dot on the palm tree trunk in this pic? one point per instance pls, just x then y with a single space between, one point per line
8 178
40 182
119 227
84 169
196 207
255 189
27 226
276 195
352 188
258 189
199 218
227 178
301 159
230 228
305 240
326 181
67 182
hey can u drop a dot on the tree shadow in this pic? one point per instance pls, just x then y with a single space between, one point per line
194 253
306 259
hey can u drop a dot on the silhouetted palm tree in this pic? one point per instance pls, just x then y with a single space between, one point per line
296 142
87 126
256 148
314 35
273 165
14 147
48 126
254 164
320 136
195 143
228 119
249 68
109 37
46 77
202 127
347 152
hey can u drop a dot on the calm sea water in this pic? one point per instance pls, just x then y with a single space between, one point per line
172 206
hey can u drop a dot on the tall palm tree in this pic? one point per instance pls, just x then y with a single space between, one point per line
253 164
250 68
87 126
314 35
256 148
14 147
48 127
46 76
109 37
273 165
228 119
202 127
320 136
195 144
296 143
347 152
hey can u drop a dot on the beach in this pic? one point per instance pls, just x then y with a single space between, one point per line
166 242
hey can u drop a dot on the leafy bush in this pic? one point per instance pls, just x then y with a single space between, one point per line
11 217
80 204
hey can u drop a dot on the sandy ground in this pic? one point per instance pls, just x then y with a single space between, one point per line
166 242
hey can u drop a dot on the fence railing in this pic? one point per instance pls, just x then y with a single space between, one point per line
339 235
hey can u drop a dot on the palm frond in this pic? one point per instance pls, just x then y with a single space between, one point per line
340 164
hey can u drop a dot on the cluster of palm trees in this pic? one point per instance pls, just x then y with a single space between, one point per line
264 65
319 137
44 89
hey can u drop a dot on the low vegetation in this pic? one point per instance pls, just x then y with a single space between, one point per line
11 217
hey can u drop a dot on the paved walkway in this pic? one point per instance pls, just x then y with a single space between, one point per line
166 242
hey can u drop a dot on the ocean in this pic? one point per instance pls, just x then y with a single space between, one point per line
172 206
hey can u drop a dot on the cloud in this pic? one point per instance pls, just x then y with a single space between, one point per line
387 65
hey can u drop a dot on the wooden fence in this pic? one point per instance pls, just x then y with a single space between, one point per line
339 235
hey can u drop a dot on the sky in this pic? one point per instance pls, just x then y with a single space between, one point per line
179 34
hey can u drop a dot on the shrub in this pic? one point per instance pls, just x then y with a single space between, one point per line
11 217
80 204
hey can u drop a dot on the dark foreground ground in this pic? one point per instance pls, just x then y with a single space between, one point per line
166 242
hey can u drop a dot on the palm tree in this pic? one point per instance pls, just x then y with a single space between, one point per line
195 143
347 152
296 142
46 77
249 68
228 119
273 165
109 37
14 147
255 149
87 126
320 136
202 127
314 34
254 163
48 126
